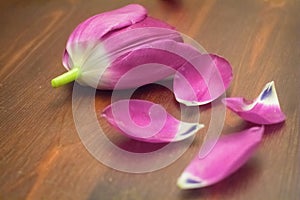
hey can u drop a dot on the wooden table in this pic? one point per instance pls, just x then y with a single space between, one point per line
41 154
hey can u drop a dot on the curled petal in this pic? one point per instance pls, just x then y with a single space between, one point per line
228 155
265 109
148 122
203 79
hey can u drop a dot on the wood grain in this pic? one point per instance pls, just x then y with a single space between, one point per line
41 154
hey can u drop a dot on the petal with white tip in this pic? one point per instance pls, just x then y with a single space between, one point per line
265 109
146 121
228 155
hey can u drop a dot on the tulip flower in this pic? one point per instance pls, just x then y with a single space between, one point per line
125 48
105 47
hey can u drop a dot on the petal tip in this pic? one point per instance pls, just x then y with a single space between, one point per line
188 181
265 109
187 130
267 91
190 103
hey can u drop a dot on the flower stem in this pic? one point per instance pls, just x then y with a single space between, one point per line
65 78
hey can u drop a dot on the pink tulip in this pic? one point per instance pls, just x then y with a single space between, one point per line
108 46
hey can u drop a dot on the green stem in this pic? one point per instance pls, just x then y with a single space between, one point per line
65 78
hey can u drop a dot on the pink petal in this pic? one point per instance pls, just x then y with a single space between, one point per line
202 80
146 64
148 122
228 155
265 109
118 42
88 33
147 22
138 56
99 25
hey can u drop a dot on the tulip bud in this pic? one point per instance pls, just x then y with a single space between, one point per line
104 48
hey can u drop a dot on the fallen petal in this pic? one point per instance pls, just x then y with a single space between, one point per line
202 80
228 155
148 122
265 109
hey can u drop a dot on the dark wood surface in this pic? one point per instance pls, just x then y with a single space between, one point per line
41 155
